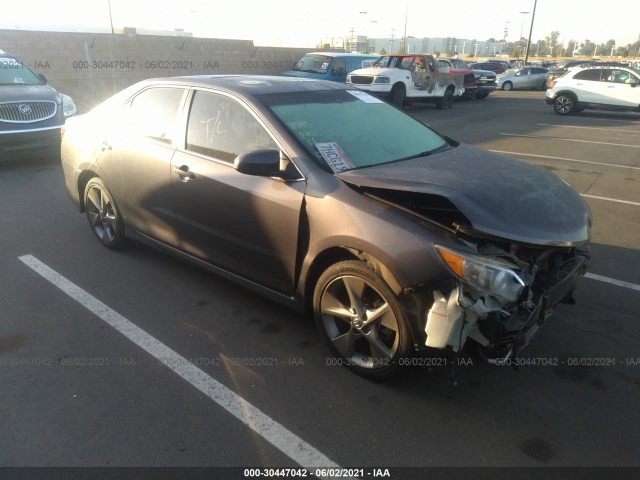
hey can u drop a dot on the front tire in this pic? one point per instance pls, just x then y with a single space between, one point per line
361 319
565 105
397 95
507 86
103 214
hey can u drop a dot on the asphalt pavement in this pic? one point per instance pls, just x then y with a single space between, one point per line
97 348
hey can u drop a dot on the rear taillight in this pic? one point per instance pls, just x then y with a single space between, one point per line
553 84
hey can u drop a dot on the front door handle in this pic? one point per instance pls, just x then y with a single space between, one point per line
184 173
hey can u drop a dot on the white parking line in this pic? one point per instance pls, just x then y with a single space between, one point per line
284 440
587 128
611 199
564 159
543 137
613 281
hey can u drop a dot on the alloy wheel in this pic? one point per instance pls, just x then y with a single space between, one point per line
101 214
359 322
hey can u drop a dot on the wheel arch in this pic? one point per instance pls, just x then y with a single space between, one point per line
567 93
332 255
83 179
399 84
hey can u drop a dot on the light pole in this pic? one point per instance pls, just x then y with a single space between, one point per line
524 14
110 17
506 34
533 17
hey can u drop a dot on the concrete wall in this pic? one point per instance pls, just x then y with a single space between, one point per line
91 67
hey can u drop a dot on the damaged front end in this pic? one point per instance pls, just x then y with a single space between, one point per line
503 293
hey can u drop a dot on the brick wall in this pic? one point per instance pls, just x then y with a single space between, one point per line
91 67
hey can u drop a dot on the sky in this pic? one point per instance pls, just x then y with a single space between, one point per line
300 23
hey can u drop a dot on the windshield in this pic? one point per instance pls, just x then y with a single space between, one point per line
314 63
394 62
15 72
459 63
347 129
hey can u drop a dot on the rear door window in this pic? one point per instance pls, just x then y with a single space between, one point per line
153 112
591 74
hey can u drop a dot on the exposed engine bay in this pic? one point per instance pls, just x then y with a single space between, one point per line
503 312
504 290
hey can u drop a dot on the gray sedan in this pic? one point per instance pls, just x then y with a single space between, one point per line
523 78
396 239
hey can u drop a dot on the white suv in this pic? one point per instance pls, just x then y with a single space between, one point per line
601 86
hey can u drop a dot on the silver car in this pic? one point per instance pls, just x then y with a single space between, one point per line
523 78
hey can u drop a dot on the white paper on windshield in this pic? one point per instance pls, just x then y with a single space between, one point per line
364 96
334 156
17 80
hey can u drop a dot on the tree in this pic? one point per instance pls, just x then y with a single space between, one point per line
383 51
587 48
551 42
571 46
608 47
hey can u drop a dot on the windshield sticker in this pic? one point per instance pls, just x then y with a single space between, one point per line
17 80
324 66
335 156
364 96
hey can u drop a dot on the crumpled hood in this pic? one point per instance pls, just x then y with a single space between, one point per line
500 196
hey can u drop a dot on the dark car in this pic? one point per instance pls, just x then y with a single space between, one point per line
330 200
491 66
31 112
478 83
560 68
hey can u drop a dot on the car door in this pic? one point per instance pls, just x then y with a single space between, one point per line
244 224
136 160
538 79
338 70
587 85
523 78
620 90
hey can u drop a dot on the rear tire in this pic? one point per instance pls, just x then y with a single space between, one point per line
446 101
565 104
103 214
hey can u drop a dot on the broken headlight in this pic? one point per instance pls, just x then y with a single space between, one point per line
495 276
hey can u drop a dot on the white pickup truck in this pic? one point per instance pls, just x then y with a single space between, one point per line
409 77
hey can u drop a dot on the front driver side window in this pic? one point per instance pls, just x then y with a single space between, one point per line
222 128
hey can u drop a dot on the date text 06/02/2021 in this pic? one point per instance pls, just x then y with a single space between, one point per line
318 472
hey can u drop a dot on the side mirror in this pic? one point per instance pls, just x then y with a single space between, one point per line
261 163
42 77
631 81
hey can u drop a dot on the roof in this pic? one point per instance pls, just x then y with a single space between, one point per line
344 54
253 84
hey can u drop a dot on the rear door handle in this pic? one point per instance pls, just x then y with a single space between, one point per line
184 173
